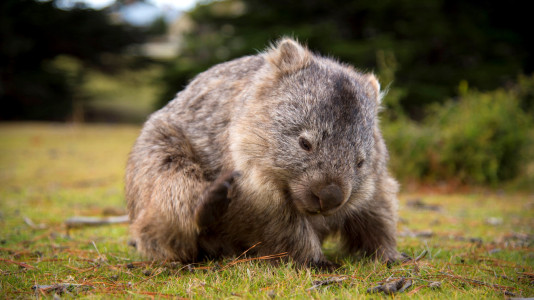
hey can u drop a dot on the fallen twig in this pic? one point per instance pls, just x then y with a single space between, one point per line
61 288
30 223
237 260
421 256
18 263
421 205
502 288
392 287
279 255
328 281
152 294
134 264
95 221
253 246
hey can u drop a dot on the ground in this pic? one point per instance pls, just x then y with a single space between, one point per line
473 244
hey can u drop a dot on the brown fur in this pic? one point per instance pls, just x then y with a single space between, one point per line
302 133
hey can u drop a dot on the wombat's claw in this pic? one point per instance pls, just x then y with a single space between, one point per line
132 243
326 266
228 178
400 259
405 257
216 201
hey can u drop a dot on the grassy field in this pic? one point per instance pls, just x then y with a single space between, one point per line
471 245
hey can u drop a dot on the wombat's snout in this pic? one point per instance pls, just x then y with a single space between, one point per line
329 196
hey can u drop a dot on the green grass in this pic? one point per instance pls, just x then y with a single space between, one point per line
479 244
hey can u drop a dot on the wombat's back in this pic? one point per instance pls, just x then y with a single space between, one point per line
203 111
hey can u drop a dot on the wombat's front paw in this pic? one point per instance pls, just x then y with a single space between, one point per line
324 265
215 201
397 258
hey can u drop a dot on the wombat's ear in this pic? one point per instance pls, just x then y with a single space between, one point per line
373 87
288 56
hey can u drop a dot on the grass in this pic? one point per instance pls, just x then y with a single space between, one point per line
478 244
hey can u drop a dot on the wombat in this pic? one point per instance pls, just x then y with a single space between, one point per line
270 153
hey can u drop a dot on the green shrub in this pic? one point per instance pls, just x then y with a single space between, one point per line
408 144
479 138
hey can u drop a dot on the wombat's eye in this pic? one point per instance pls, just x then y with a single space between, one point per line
360 163
305 144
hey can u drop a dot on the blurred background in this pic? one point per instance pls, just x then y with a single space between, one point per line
460 105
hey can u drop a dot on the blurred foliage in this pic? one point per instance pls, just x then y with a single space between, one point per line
32 34
435 44
125 96
158 27
478 138
487 128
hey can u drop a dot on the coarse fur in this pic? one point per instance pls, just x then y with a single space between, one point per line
278 150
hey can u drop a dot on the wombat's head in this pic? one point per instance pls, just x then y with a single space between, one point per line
315 129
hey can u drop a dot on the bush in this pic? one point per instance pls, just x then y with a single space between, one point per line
32 35
408 144
480 138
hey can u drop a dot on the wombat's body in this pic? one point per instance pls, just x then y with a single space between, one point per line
281 149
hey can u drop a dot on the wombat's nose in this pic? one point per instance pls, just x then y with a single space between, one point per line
330 197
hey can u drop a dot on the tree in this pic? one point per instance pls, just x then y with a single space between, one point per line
32 34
